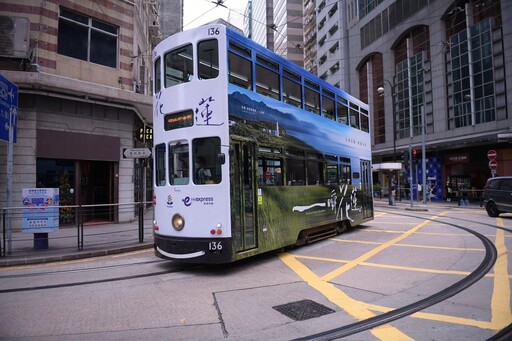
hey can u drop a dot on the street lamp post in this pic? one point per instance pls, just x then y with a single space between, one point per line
380 90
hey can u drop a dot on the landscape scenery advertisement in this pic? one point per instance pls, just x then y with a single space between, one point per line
277 125
315 131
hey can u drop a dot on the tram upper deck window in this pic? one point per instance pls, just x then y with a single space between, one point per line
328 109
158 74
208 59
240 71
207 167
342 111
312 97
160 165
179 163
292 90
179 66
267 82
354 116
365 122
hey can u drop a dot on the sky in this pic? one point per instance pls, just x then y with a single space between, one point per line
199 12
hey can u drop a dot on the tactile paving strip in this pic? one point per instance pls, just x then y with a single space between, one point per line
303 310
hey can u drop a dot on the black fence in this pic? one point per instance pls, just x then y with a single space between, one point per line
59 229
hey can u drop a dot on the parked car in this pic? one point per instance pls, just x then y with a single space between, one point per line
498 195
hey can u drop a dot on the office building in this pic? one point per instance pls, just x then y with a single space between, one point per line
441 70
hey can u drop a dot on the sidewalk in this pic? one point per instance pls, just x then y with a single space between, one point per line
111 238
420 206
99 239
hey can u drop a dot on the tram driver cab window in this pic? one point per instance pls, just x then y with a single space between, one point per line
206 167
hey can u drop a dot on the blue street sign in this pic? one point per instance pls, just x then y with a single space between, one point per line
8 108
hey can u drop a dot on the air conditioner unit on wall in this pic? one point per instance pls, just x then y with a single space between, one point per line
14 36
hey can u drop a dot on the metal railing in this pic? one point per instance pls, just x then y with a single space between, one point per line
90 226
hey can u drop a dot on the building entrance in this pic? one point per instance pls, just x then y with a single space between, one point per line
80 183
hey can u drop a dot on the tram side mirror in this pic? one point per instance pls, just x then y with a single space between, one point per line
221 158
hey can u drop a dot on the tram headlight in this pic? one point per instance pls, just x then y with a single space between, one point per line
178 222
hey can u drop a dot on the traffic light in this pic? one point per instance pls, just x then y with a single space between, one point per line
414 155
406 157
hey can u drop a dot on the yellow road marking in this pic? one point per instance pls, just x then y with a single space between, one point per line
408 245
438 317
354 308
500 305
352 264
397 267
500 301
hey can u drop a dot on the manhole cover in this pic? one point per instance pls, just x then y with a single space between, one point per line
303 310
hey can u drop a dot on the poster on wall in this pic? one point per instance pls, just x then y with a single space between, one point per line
40 213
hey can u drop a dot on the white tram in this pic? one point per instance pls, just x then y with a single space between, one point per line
251 152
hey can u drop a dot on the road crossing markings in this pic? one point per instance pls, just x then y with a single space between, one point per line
500 301
355 308
352 264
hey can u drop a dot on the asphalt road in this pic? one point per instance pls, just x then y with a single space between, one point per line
400 258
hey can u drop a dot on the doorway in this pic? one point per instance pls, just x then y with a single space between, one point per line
96 189
243 218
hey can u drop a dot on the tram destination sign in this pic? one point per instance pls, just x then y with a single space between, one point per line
136 153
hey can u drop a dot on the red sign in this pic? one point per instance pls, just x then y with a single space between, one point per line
493 164
491 154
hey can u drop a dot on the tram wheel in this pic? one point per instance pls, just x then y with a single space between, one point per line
341 227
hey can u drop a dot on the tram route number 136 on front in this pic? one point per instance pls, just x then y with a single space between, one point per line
215 246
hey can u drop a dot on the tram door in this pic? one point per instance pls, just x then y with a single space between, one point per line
243 211
366 188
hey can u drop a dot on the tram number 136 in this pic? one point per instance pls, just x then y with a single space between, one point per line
215 246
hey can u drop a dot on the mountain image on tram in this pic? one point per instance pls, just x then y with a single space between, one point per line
251 153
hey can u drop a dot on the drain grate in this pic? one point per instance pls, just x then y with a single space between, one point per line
303 310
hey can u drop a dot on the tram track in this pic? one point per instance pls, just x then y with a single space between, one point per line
178 269
484 267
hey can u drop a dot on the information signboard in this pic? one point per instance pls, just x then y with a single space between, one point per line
40 212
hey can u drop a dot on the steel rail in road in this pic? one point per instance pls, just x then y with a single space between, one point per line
360 326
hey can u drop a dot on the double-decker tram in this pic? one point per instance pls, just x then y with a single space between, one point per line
251 152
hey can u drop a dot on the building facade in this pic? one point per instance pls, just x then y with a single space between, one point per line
277 25
333 51
434 73
84 79
310 35
170 14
